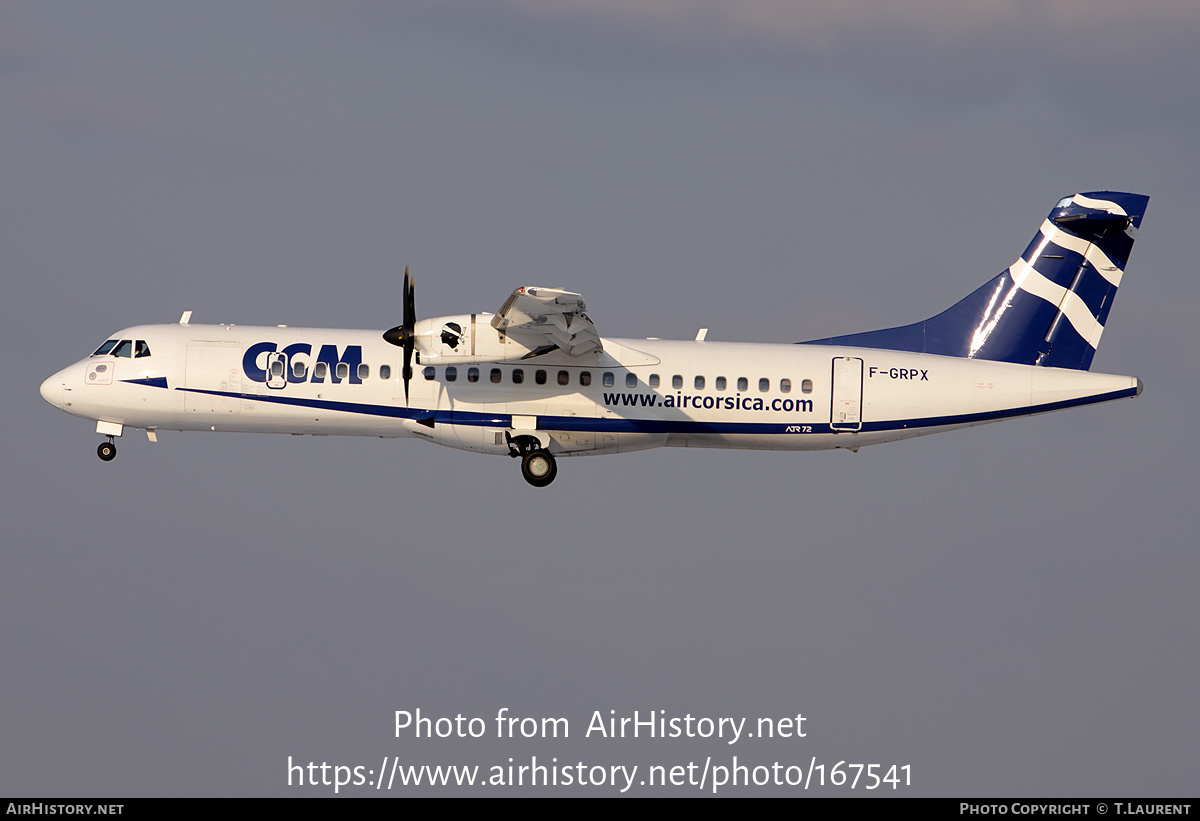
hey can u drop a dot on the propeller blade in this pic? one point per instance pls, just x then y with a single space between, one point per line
404 335
410 321
410 305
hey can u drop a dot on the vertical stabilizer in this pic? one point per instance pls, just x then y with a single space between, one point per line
1049 307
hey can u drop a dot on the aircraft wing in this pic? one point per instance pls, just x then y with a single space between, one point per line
539 317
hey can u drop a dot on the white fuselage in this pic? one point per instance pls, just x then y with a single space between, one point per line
631 395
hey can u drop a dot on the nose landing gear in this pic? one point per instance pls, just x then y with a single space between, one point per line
107 450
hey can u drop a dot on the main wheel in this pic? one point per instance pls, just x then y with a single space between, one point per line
107 451
538 467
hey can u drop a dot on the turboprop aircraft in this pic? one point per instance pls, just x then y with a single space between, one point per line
536 381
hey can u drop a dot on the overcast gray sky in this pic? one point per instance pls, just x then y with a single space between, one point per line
1008 610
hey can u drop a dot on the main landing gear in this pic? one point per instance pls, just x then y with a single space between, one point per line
538 467
107 450
537 464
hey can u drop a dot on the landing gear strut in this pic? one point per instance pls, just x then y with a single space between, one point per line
107 450
537 464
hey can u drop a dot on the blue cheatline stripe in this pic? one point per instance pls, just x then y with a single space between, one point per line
607 425
323 404
152 381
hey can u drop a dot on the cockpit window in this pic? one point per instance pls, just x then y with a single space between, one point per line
124 347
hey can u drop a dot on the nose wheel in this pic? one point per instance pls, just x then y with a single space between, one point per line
107 450
538 467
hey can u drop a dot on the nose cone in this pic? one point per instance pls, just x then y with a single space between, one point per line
54 390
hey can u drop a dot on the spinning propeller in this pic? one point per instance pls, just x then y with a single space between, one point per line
404 335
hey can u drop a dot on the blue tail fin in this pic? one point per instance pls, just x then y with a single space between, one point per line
1049 308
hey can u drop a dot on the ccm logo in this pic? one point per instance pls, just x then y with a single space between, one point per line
262 360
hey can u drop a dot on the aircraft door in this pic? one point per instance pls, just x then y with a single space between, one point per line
277 365
846 408
214 367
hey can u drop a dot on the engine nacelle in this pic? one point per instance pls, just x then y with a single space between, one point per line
464 339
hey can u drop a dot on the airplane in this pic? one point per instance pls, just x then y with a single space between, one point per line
536 381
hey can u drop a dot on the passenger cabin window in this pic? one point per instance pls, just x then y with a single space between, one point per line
564 378
676 381
585 378
806 386
495 376
343 371
608 379
472 374
385 371
277 368
298 370
539 376
630 380
451 373
319 371
140 349
720 383
764 384
364 371
518 376
785 386
428 372
742 383
699 383
654 380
